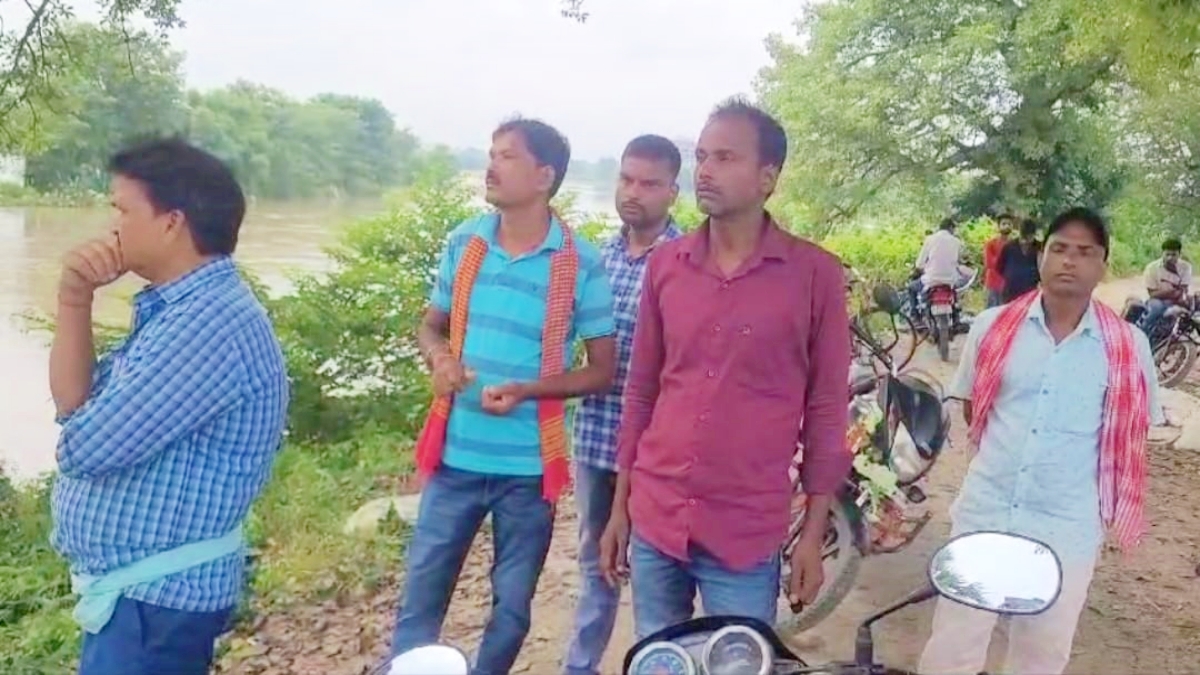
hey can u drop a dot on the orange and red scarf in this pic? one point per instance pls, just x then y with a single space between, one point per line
560 303
1126 422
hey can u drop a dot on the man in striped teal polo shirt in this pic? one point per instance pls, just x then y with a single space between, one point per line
515 291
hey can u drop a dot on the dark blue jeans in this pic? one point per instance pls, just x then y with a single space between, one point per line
453 506
143 639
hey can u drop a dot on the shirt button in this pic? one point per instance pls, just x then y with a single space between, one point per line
1033 431
745 330
712 373
703 417
717 329
691 502
724 284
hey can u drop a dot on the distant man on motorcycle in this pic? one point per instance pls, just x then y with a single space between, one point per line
1059 394
937 263
1167 281
742 335
993 280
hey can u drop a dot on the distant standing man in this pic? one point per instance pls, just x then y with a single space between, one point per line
1167 280
514 290
1060 395
168 438
646 190
742 335
993 280
1019 262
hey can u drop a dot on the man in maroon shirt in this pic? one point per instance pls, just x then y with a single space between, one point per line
742 334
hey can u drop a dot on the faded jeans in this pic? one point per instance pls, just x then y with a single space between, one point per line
664 589
453 506
596 613
1155 308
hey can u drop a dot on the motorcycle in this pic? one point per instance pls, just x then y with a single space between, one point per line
939 315
898 429
975 569
1174 338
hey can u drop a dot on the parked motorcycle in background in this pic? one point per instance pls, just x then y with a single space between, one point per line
994 572
898 428
1174 338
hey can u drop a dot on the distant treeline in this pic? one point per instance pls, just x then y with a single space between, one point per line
603 171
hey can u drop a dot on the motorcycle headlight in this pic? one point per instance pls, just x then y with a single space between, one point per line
737 650
662 658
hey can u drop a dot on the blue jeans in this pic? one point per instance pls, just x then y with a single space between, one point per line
1155 308
664 589
453 506
597 610
144 639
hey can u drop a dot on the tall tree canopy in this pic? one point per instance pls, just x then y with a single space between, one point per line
986 103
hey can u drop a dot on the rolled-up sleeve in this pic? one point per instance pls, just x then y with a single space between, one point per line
826 460
645 368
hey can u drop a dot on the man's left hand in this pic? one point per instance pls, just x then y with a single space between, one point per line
807 572
501 399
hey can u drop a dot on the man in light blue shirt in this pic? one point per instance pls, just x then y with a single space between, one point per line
1037 469
168 438
491 461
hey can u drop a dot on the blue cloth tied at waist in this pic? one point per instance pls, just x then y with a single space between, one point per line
98 595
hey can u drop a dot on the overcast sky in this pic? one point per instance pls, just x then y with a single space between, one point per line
451 69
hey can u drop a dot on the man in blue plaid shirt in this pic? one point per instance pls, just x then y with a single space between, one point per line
645 193
168 438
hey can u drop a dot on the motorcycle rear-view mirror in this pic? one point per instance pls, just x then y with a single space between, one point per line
886 298
997 572
428 660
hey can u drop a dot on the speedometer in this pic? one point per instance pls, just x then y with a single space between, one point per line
662 658
737 650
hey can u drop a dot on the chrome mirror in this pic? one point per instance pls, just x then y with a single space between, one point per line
995 572
429 660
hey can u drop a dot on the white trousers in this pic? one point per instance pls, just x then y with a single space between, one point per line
1037 645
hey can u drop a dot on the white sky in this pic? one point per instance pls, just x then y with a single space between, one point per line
451 69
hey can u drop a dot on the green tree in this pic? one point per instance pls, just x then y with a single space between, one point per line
1015 97
131 86
38 59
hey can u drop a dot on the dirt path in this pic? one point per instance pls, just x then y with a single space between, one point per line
1141 617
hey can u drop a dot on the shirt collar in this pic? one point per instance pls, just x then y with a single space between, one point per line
1089 325
621 239
553 241
178 289
773 245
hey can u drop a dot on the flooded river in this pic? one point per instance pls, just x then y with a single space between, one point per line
276 242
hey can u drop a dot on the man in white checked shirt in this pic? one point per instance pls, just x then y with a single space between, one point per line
645 192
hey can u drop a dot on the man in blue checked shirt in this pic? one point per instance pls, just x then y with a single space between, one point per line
168 438
645 192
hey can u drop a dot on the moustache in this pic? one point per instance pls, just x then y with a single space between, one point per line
632 206
707 187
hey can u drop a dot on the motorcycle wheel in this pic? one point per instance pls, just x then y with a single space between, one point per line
1180 355
942 329
842 558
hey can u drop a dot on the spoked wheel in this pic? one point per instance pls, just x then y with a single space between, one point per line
842 559
1173 360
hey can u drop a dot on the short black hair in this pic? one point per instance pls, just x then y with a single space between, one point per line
1172 244
947 224
772 139
1086 217
547 145
1029 227
657 149
179 176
